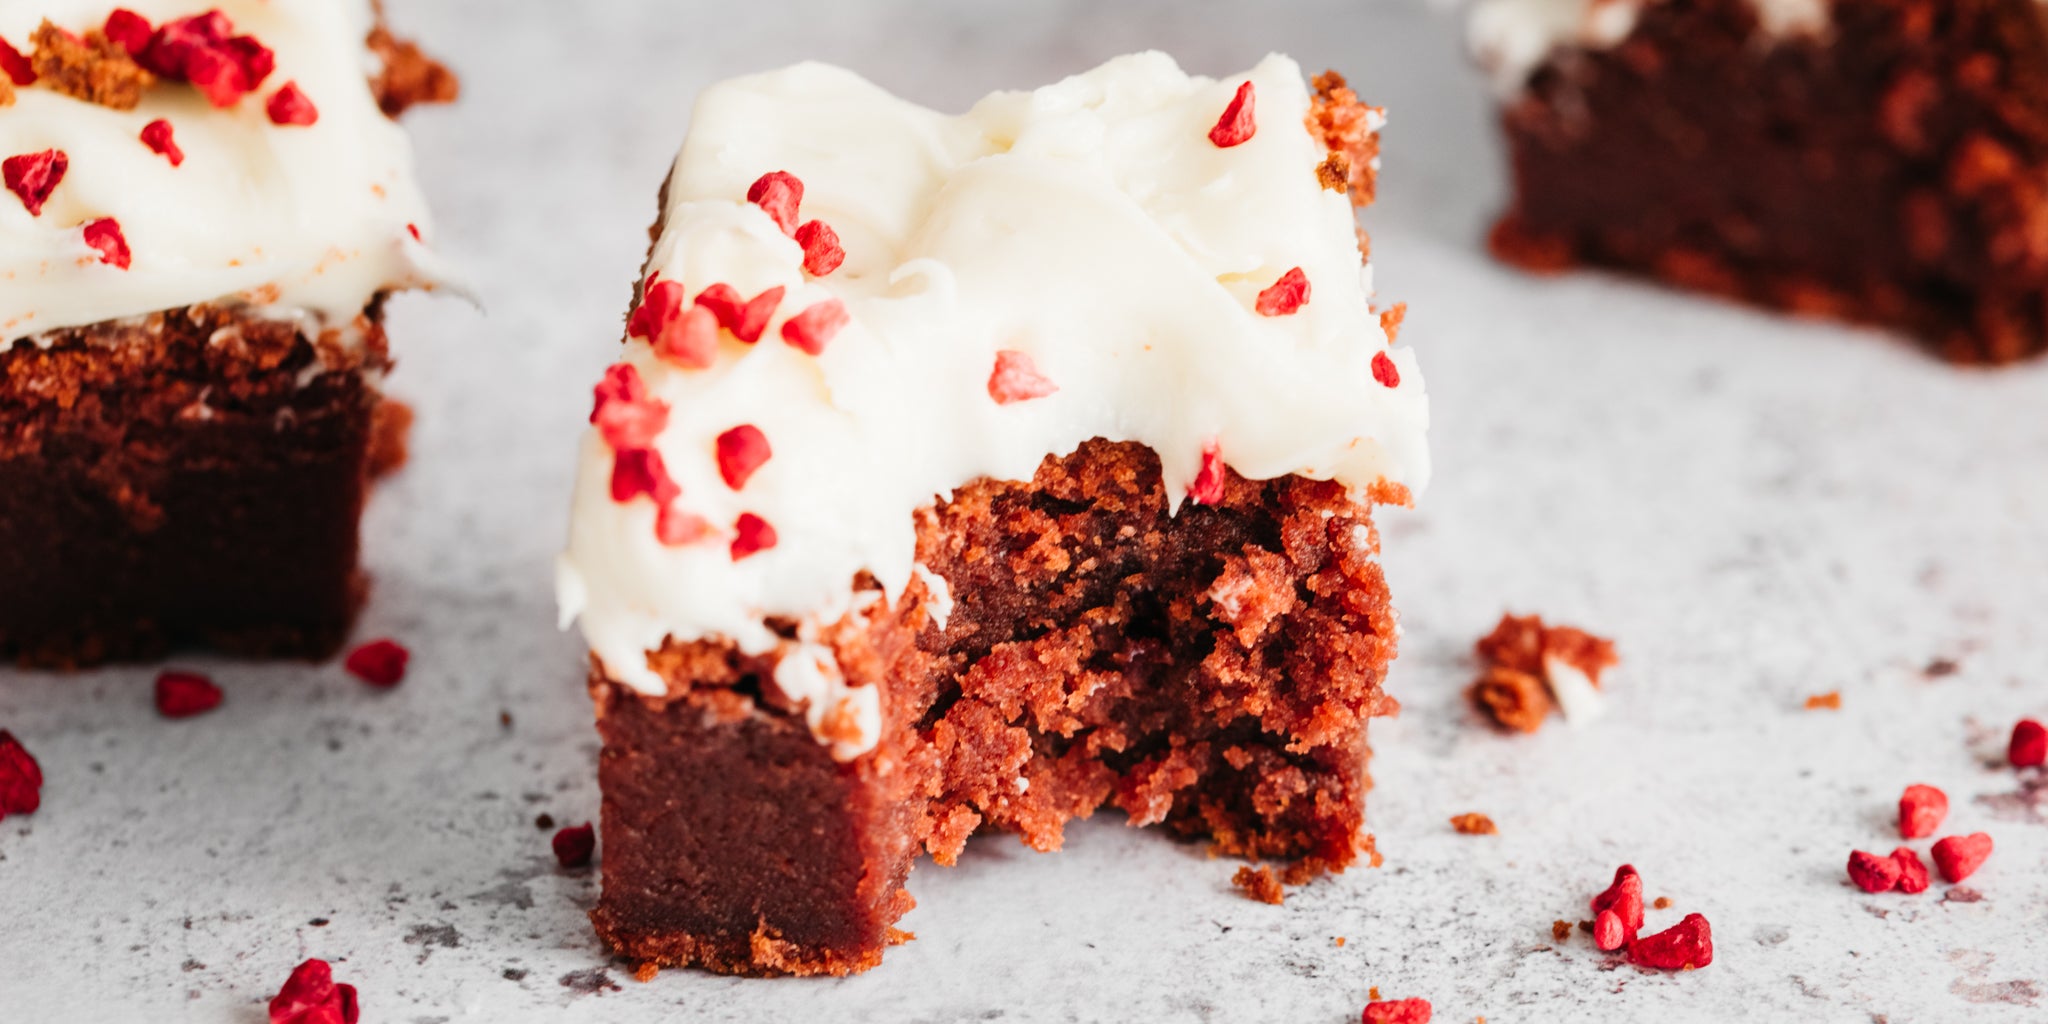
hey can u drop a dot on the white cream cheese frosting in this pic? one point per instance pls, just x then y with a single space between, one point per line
1091 225
1512 38
303 222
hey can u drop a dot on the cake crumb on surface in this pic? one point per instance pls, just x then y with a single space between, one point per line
1662 903
1474 824
1531 667
1825 701
1260 884
1560 930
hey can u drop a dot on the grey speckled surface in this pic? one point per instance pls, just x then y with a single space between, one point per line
1758 510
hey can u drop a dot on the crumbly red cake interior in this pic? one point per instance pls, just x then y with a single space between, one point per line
1210 671
1893 171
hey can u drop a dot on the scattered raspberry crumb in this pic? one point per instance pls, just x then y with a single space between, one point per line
105 235
310 996
781 194
1260 884
1284 296
1560 931
1959 857
1922 809
33 176
16 66
813 328
1384 370
1624 896
1685 946
1609 934
1912 870
21 778
1016 378
1208 486
184 694
1397 1011
414 230
290 106
1825 701
822 252
746 319
378 663
753 535
2029 746
129 30
741 451
638 471
1239 121
1474 824
574 845
1873 873
676 526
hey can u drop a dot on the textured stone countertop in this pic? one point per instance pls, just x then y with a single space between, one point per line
1757 510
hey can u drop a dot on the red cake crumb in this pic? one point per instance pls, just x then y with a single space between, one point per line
1514 700
574 845
1913 876
813 328
1560 931
1016 378
1474 824
1959 857
1921 810
157 136
1511 691
2029 746
290 106
33 176
1239 121
379 663
184 694
1259 883
1384 370
21 778
745 318
1624 896
822 253
310 996
1397 1011
1685 946
1873 873
752 535
1825 701
781 194
88 66
741 451
1285 296
105 235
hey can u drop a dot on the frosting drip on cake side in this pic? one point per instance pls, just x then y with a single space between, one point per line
300 221
1091 225
1512 38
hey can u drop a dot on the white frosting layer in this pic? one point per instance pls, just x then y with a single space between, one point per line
1512 38
1091 224
300 221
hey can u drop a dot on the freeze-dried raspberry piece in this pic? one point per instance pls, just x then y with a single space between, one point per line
21 778
310 996
1397 1011
747 318
290 106
1685 946
660 302
1285 296
105 235
1016 378
131 31
379 663
1624 896
1873 873
638 471
1384 370
1609 934
1239 121
1912 870
2029 746
157 136
822 253
15 65
812 329
628 423
33 176
204 51
621 383
184 694
1959 857
691 339
676 526
574 845
741 451
781 194
1921 810
752 534
1207 488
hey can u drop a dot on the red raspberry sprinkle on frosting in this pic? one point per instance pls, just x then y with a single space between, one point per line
779 193
1912 870
2029 746
1624 896
157 136
660 301
33 176
310 996
741 451
1397 1011
1238 123
130 30
638 471
1959 857
813 328
21 778
822 252
752 535
1873 873
379 663
184 694
676 526
1685 946
204 51
105 235
691 339
1921 810
746 319
621 383
290 106
632 419
574 845
1208 486
1384 370
16 66
1286 295
1016 378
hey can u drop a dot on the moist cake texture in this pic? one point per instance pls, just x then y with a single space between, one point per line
1880 161
1003 467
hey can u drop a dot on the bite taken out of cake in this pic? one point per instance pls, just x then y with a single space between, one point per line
975 473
